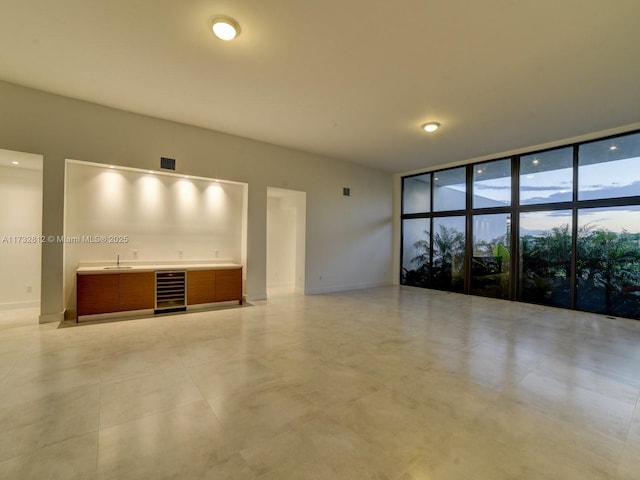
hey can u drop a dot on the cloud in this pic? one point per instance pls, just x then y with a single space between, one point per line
480 186
541 188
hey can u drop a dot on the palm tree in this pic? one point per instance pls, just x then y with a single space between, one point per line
550 253
448 256
418 277
609 262
546 263
422 250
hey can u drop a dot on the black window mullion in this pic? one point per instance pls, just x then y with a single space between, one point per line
431 188
468 243
514 279
573 281
431 250
431 192
409 216
402 217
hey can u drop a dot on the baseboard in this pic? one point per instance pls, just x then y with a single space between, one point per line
17 305
255 298
344 288
280 285
52 317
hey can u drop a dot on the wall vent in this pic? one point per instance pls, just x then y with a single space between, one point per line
167 163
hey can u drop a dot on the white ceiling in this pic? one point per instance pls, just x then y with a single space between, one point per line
351 79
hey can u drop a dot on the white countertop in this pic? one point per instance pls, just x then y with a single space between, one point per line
106 267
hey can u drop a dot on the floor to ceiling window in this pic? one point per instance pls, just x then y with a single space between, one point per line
491 230
545 257
448 241
559 227
491 260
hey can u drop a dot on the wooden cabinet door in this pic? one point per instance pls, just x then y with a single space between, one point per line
137 291
228 285
201 286
97 294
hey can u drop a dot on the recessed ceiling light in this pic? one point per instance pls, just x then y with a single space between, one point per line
15 163
430 126
225 28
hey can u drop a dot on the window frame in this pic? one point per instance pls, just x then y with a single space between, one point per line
514 210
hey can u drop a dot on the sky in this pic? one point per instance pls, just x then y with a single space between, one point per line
613 179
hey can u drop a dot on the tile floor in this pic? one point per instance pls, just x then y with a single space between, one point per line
386 383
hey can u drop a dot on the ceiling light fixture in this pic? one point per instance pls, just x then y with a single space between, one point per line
225 28
536 161
613 147
15 163
430 126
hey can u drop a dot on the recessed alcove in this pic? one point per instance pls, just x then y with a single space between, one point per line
138 216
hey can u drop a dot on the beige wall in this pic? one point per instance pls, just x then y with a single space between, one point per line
348 239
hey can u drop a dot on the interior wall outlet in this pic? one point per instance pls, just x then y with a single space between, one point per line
216 253
135 253
29 288
180 254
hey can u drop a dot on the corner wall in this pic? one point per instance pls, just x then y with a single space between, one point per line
348 238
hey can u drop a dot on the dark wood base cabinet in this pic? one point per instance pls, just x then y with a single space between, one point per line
209 286
115 292
201 286
129 291
228 285
137 291
97 294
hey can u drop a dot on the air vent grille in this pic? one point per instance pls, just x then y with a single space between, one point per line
167 163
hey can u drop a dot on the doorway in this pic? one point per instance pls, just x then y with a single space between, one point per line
20 229
286 227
